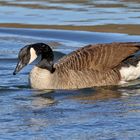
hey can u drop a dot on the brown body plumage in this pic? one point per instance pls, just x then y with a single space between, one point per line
92 65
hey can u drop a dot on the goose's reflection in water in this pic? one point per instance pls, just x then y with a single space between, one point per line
47 98
90 95
41 99
98 95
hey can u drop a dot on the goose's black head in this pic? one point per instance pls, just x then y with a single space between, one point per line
30 52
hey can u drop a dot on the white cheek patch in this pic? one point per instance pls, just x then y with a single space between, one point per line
33 55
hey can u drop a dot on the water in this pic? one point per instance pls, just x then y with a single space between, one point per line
98 113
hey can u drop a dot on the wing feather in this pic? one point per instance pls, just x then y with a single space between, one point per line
98 57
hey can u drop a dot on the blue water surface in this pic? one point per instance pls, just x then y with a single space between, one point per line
109 113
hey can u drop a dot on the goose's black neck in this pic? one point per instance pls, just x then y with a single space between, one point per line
47 56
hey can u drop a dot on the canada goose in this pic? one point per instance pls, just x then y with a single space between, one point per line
92 65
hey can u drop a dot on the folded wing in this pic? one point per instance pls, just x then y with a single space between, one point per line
98 57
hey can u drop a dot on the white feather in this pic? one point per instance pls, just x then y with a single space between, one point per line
33 55
130 73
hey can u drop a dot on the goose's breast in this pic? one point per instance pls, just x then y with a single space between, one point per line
40 78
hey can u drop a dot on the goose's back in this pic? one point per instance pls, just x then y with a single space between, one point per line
98 57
